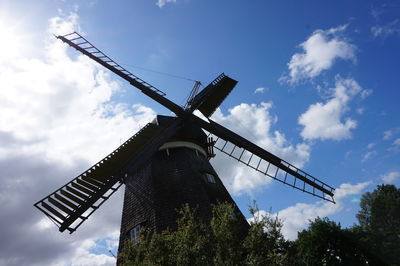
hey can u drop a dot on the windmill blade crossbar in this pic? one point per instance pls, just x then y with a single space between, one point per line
75 40
283 172
69 206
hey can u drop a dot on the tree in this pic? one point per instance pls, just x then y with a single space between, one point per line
265 244
223 241
380 209
191 243
188 245
324 242
375 241
379 222
225 236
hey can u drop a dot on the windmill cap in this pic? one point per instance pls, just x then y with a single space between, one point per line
189 132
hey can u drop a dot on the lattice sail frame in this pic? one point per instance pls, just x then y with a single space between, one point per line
69 206
76 40
273 171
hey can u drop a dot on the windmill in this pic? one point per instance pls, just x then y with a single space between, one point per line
166 163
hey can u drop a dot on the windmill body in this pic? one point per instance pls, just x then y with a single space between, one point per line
166 163
179 173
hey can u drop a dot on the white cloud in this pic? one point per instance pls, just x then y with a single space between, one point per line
371 145
161 3
390 177
395 146
387 134
365 93
57 25
57 118
296 218
84 257
254 122
386 30
368 155
376 13
260 90
320 51
391 133
396 142
325 120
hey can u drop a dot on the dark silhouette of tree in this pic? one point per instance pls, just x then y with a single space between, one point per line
375 241
225 236
379 223
324 242
265 244
222 242
188 245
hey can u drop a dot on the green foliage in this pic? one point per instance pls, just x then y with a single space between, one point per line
380 209
265 244
185 246
225 236
225 241
374 242
379 219
153 249
324 242
190 240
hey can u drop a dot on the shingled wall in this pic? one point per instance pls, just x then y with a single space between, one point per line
163 185
171 178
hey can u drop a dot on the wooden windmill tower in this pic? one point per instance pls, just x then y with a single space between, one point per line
166 163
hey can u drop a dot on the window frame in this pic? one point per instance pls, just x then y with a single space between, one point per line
134 233
210 178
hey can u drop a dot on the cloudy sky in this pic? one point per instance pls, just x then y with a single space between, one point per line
318 86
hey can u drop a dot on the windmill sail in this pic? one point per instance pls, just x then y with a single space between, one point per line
283 172
265 162
208 100
72 204
78 42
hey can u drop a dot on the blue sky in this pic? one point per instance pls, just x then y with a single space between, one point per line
318 86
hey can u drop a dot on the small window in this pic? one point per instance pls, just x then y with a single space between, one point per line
134 234
210 178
